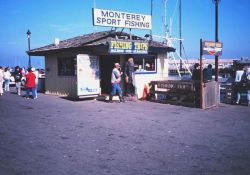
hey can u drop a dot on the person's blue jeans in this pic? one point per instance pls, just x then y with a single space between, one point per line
116 88
7 85
28 92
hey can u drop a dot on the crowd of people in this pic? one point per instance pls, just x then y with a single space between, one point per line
241 83
31 81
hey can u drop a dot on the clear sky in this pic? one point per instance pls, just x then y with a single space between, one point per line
48 19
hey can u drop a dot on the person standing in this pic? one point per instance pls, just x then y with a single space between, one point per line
244 85
30 83
196 77
1 80
208 73
115 81
36 80
7 76
129 77
18 78
238 84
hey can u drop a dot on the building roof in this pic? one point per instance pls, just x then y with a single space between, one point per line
93 39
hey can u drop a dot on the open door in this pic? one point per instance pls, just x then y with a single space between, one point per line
106 66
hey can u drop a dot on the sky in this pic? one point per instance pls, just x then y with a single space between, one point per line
63 19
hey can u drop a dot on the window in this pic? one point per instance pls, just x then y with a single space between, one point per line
66 66
144 64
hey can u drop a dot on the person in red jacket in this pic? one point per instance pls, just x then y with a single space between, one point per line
30 83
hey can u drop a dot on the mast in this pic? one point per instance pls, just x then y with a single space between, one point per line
180 33
165 21
151 20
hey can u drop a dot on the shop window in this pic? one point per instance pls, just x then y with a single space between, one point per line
66 66
145 64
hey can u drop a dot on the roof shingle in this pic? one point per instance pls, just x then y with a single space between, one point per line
92 39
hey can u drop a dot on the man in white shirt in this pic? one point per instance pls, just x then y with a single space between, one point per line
6 76
115 81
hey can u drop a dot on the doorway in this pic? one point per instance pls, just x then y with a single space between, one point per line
106 66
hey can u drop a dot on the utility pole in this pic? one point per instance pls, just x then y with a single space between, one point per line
216 38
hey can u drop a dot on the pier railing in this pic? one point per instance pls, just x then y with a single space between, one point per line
177 92
185 93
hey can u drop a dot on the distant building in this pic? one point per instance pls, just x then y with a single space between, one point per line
223 63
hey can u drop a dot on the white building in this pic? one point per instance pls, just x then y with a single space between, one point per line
81 66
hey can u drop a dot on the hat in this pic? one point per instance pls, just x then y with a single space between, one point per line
33 69
117 64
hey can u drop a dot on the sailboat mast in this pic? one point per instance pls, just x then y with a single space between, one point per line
165 21
180 33
151 19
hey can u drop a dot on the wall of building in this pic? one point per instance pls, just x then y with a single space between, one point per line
142 80
67 85
58 85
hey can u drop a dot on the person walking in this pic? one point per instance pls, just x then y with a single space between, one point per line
115 81
1 80
7 76
30 83
129 77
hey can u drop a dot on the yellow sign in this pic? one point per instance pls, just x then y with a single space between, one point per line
128 47
121 44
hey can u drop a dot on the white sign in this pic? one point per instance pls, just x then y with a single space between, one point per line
88 82
121 19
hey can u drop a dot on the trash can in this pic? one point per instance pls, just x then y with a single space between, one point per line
41 85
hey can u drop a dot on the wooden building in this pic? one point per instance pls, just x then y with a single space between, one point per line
81 66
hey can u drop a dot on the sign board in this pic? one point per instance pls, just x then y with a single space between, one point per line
212 48
128 47
88 82
112 18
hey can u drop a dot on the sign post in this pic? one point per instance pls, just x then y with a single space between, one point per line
213 48
209 48
201 76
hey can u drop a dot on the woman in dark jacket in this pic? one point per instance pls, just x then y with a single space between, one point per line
18 78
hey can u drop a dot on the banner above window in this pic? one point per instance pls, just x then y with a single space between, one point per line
128 47
112 18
